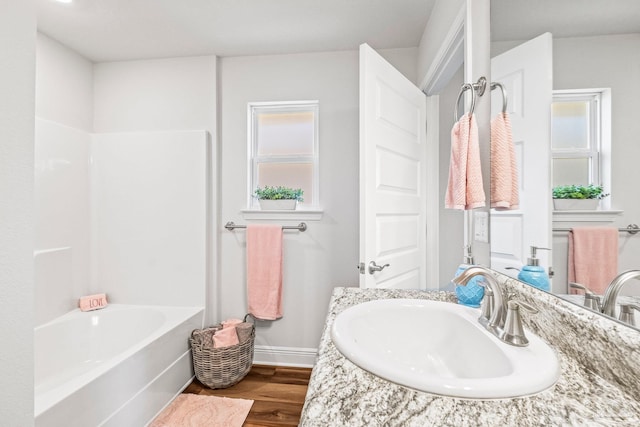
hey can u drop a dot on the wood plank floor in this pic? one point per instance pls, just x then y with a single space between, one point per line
278 394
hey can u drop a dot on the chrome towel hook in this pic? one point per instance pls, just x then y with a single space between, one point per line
495 85
477 89
466 86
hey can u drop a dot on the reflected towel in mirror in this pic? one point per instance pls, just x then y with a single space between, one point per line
504 167
593 257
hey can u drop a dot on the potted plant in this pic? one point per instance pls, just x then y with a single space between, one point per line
278 198
577 197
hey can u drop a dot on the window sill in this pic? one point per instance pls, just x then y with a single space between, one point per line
586 216
292 215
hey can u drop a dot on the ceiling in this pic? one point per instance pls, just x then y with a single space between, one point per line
525 19
114 30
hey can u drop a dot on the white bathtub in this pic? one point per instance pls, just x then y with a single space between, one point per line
117 366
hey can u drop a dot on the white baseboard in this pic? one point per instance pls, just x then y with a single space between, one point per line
284 356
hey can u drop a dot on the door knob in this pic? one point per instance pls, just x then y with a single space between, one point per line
373 267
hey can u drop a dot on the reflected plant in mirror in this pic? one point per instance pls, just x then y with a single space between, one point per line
578 197
578 192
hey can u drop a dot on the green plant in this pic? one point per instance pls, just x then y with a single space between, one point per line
578 192
279 193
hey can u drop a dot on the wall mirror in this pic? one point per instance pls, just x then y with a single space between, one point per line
576 50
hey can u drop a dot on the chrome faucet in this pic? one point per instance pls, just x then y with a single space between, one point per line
507 328
611 295
496 321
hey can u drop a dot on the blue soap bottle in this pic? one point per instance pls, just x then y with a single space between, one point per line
471 294
533 273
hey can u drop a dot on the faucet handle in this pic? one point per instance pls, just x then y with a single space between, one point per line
487 306
586 290
593 301
513 331
528 307
626 313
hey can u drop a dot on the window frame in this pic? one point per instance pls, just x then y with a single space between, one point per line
253 109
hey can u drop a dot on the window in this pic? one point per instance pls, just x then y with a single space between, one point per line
580 137
283 148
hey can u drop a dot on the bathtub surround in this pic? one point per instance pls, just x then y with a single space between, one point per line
81 107
597 386
62 218
104 202
149 217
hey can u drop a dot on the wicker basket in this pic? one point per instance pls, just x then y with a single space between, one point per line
225 366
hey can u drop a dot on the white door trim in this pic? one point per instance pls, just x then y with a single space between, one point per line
448 59
432 186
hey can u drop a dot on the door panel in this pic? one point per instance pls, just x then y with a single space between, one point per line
392 193
526 72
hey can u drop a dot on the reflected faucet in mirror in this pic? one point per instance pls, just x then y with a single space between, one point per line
611 295
591 300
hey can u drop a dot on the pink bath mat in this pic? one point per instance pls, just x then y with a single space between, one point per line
192 410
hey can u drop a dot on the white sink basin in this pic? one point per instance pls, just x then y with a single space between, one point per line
440 348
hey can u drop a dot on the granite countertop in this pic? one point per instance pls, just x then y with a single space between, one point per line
342 394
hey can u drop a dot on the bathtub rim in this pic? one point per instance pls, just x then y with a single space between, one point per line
47 399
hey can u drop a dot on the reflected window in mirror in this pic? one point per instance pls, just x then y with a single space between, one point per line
581 137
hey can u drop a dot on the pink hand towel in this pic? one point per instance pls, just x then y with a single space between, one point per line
504 167
593 257
264 271
230 323
464 189
225 337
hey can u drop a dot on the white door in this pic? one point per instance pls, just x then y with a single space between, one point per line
392 189
527 74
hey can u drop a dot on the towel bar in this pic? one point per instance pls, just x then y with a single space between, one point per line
300 227
631 229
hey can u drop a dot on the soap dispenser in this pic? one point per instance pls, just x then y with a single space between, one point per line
533 273
471 294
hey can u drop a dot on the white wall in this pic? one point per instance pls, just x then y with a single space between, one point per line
159 94
17 110
326 254
64 85
435 32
